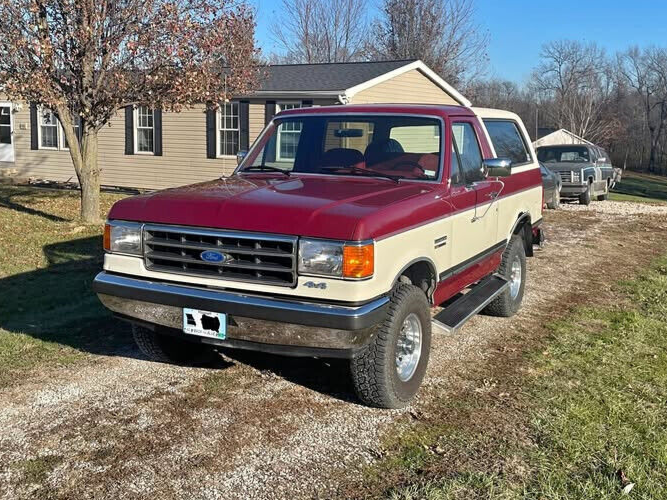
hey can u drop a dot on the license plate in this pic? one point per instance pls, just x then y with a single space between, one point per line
205 323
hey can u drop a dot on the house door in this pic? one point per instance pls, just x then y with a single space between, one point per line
6 133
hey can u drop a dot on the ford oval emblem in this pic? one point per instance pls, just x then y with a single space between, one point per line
213 256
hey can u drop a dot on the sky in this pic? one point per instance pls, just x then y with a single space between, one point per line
518 28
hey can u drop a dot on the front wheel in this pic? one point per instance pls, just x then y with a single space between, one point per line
513 269
585 197
388 372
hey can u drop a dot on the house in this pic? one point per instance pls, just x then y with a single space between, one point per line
149 149
561 136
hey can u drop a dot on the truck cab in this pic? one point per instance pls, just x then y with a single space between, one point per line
339 234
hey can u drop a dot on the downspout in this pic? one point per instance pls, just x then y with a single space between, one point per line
343 98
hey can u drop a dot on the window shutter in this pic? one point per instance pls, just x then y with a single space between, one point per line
244 125
129 130
34 141
157 132
211 149
79 131
269 111
307 103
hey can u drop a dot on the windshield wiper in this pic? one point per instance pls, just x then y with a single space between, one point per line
266 168
367 172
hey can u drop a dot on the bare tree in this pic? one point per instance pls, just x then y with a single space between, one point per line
85 59
442 33
574 84
320 31
646 73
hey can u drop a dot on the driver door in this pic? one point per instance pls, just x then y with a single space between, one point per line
475 227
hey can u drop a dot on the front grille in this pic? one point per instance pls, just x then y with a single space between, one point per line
565 176
255 258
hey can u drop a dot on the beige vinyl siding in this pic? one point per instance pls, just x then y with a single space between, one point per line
411 87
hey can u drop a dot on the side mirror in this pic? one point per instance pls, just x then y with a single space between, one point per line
498 167
240 156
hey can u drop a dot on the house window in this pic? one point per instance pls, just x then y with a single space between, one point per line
51 133
48 129
228 129
288 134
144 130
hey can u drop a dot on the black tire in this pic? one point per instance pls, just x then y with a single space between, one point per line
374 372
555 200
167 349
605 196
506 305
585 197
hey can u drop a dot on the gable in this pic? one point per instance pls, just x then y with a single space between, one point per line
411 87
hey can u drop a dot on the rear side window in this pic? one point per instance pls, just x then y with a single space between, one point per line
508 141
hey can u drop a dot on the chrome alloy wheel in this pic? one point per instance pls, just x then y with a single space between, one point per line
515 277
408 347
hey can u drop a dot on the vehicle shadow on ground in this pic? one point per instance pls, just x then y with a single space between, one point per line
330 377
56 304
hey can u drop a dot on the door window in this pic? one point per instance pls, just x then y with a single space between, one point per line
465 142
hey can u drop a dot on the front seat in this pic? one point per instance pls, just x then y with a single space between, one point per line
382 150
343 157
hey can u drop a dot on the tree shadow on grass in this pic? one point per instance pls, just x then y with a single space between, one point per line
56 305
643 186
9 193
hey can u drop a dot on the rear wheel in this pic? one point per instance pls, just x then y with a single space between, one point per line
167 349
390 369
555 200
585 197
513 269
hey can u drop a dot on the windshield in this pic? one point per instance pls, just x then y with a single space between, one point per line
563 154
393 147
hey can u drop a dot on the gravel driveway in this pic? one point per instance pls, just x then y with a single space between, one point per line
258 426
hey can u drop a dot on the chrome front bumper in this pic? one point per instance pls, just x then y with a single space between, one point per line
254 322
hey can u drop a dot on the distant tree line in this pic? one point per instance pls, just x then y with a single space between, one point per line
616 100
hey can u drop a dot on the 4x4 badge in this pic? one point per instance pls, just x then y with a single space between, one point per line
312 284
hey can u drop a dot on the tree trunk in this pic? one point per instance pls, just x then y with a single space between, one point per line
90 179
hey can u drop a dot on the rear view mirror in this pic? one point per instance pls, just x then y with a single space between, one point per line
348 132
498 167
240 156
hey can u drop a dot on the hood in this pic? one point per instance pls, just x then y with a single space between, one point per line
315 206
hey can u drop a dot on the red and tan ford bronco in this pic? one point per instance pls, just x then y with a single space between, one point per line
339 232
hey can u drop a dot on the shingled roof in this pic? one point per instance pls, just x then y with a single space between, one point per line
341 80
334 77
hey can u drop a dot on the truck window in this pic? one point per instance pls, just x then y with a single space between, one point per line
563 154
394 146
508 141
465 141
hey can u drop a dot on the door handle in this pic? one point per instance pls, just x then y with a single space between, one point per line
492 194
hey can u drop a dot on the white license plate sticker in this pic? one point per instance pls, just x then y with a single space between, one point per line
205 323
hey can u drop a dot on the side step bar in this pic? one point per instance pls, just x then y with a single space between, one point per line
456 314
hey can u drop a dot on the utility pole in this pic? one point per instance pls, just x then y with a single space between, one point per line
537 116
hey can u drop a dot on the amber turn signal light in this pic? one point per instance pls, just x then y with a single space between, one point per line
107 237
358 261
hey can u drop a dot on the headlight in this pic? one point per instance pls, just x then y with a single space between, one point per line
336 259
122 237
576 176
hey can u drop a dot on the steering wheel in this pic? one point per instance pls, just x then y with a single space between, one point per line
408 163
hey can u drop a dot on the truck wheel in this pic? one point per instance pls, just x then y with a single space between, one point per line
555 200
605 196
585 197
167 349
388 372
512 268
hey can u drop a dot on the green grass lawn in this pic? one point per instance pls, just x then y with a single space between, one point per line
587 419
639 187
48 313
